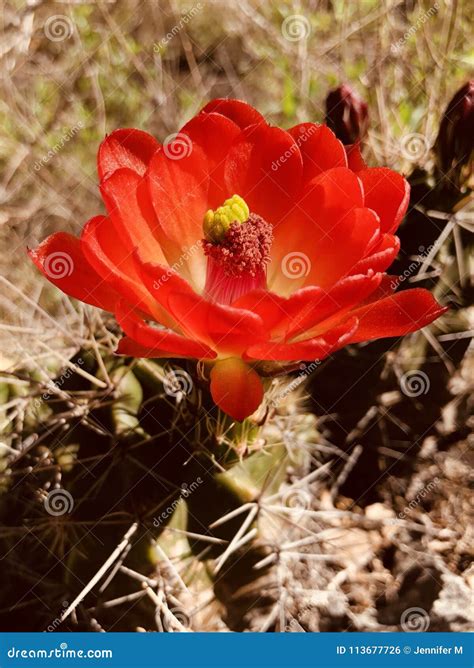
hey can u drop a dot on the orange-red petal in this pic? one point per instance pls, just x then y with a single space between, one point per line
387 193
236 388
264 166
179 194
396 315
106 253
158 339
316 348
121 197
320 149
355 161
61 260
241 113
380 257
215 134
126 147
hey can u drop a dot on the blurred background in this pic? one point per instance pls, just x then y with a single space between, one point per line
393 415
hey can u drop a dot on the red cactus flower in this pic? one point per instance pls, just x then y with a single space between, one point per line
237 242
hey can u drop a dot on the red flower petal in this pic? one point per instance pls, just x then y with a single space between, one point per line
59 257
275 311
227 330
396 315
309 306
355 160
264 166
158 339
333 253
114 263
387 193
179 194
125 148
381 257
322 310
337 253
241 113
320 148
325 201
236 388
120 194
130 348
311 349
214 133
223 328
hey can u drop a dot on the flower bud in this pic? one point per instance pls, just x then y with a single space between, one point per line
347 115
454 145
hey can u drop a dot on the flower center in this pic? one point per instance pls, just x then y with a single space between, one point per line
237 244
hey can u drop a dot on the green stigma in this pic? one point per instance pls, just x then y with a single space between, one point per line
216 223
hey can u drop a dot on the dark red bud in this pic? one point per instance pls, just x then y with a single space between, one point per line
454 145
347 114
